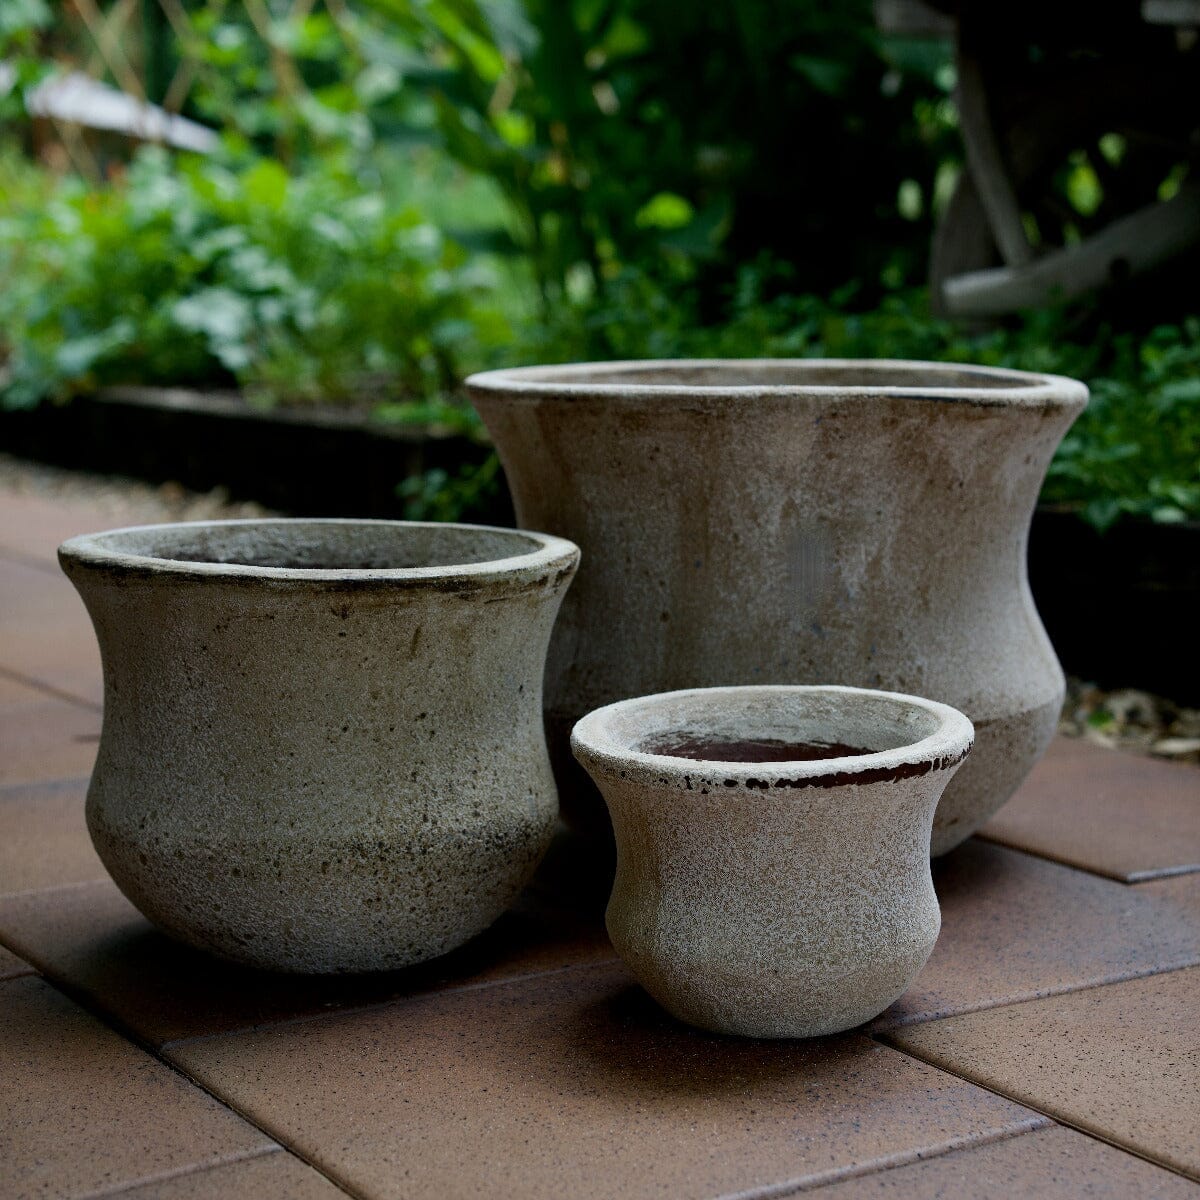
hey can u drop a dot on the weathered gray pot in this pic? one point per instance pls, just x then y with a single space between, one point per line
322 746
793 522
773 898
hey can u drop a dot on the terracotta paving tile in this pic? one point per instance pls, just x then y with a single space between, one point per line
1051 1164
273 1176
1123 815
94 942
45 632
44 840
84 1109
42 737
1119 1061
576 1084
11 966
1015 927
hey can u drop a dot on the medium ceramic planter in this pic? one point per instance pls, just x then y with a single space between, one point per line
322 746
792 522
773 848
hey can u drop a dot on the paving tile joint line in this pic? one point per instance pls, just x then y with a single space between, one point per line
229 1160
378 1005
1184 964
808 1183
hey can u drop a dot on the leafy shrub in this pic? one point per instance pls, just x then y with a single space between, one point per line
467 494
206 273
683 139
1136 450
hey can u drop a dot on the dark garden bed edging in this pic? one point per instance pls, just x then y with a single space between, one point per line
307 462
1121 607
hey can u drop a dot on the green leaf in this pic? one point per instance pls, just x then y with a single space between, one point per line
827 75
664 211
76 356
216 312
265 185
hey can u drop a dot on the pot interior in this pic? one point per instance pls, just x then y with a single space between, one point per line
784 373
321 545
771 725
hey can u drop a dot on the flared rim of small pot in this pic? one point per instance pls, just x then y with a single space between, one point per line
605 740
216 550
732 380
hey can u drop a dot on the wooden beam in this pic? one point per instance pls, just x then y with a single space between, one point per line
1129 246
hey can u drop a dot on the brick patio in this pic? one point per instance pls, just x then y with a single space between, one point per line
1048 1049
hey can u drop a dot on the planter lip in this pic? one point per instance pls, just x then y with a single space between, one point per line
600 746
985 386
544 556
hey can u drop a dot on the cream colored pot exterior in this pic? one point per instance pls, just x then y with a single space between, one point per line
797 521
778 899
322 746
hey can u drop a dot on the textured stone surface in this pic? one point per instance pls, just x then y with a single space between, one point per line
84 1110
42 737
780 898
323 744
1119 1061
1182 891
1015 927
577 1085
43 837
1123 815
797 522
93 941
273 1176
1049 1164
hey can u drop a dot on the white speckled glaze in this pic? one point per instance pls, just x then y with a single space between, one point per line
774 899
322 746
791 521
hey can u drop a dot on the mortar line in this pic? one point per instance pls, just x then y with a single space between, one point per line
1065 989
888 1162
133 1038
1053 1118
378 1005
118 1189
49 689
57 782
1130 878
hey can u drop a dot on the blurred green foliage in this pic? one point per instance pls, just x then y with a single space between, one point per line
410 189
684 139
307 287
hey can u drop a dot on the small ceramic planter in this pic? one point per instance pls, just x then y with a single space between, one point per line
773 848
323 745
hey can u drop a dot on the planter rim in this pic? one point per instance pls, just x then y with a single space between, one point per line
995 387
544 555
599 745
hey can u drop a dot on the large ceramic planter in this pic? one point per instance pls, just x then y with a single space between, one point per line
322 745
773 849
796 522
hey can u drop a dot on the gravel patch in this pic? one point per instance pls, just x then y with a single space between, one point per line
116 496
1128 719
